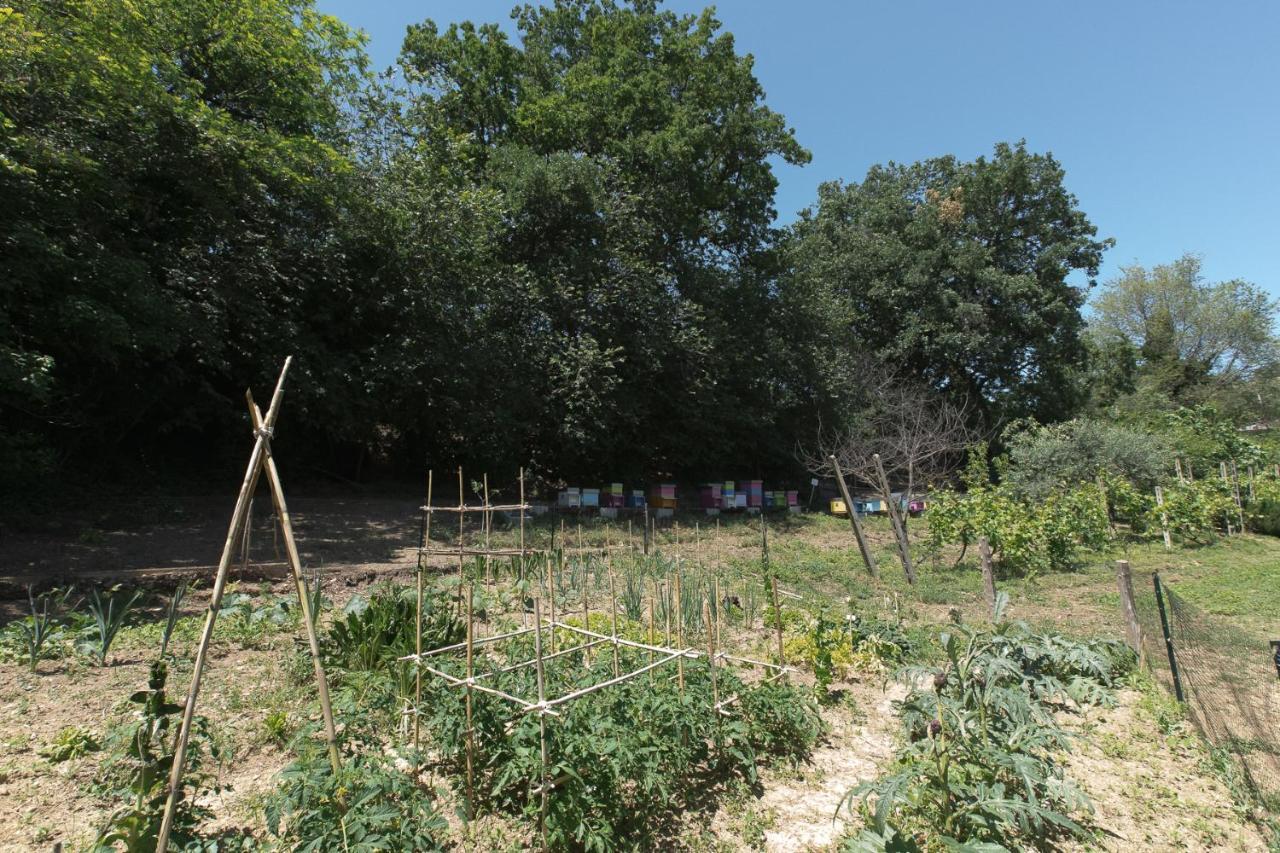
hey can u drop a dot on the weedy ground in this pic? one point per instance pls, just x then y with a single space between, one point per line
1153 782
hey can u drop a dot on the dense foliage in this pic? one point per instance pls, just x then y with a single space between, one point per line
624 760
552 248
979 764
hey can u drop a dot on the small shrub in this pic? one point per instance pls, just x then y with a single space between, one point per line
374 633
373 804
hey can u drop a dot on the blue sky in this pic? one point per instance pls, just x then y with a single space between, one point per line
1166 115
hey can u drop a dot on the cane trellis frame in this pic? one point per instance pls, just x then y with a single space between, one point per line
543 706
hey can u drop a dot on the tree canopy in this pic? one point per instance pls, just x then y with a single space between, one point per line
957 272
550 245
1192 340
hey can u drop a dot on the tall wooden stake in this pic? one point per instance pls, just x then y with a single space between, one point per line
868 559
488 523
653 630
462 494
613 614
542 716
1164 518
988 573
215 603
551 598
777 618
417 644
711 658
895 518
1129 610
679 621
471 793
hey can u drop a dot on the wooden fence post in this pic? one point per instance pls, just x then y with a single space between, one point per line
1164 518
988 574
1129 610
904 545
867 559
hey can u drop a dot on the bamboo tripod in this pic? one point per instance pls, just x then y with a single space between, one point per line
260 459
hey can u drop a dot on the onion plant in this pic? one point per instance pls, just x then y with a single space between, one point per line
109 614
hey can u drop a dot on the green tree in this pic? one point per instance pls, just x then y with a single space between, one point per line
630 148
1197 341
171 171
956 272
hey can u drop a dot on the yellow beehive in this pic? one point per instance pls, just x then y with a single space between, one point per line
838 507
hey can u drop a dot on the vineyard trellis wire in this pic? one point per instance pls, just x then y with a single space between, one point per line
1227 677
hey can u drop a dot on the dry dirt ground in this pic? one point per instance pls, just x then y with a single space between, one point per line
1149 778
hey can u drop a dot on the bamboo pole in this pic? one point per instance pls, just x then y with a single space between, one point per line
471 792
513 667
300 584
679 617
468 508
666 597
252 470
586 615
719 605
542 718
417 644
678 655
454 681
711 653
613 615
488 523
868 559
462 509
653 631
551 593
457 647
777 614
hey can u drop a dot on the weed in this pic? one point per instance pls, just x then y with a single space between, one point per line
142 773
71 742
277 727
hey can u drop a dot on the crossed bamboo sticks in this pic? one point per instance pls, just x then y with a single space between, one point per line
260 460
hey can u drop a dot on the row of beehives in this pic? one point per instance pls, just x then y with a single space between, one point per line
873 505
747 495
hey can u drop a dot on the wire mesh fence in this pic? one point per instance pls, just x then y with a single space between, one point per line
1227 675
